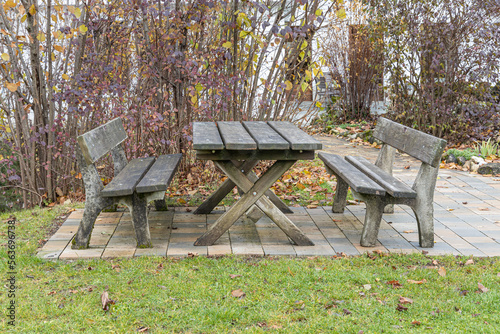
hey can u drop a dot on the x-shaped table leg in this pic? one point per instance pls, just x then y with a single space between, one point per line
253 195
228 185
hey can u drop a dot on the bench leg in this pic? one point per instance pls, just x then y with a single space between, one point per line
374 210
93 208
139 213
424 185
340 200
160 205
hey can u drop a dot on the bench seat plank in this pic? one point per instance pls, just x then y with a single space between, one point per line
206 137
265 136
160 174
124 183
392 185
357 180
235 136
298 140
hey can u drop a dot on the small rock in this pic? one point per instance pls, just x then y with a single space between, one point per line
451 159
478 160
467 165
474 167
353 136
491 168
461 161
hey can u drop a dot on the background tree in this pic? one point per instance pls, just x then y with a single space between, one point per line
441 58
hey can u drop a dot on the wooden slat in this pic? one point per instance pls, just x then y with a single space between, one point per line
206 136
160 174
265 136
235 136
125 182
419 145
357 180
391 185
96 143
298 139
255 155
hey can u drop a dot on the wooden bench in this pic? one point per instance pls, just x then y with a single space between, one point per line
135 183
375 185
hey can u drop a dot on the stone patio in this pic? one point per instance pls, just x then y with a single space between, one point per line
467 222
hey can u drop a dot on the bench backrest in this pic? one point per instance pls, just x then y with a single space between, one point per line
419 145
96 143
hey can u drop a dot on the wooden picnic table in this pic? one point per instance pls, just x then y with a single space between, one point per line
236 148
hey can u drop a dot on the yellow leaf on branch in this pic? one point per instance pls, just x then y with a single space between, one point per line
83 29
78 13
289 85
9 4
65 76
41 37
341 14
5 56
58 48
12 86
32 10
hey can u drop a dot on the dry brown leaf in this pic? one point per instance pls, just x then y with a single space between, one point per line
469 261
483 209
482 288
442 271
238 293
409 231
105 301
405 300
367 286
416 282
232 276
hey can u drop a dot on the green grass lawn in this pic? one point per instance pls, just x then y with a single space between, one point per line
242 294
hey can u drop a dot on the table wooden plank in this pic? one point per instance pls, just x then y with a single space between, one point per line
235 136
298 139
124 183
254 155
265 136
206 136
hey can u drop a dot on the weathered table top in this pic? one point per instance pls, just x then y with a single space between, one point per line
274 140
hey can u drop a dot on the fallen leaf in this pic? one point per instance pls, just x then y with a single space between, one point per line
290 271
346 311
483 209
312 206
52 293
482 288
442 271
238 293
234 276
416 323
409 231
395 284
367 286
192 254
142 329
105 301
469 261
405 300
401 308
417 282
